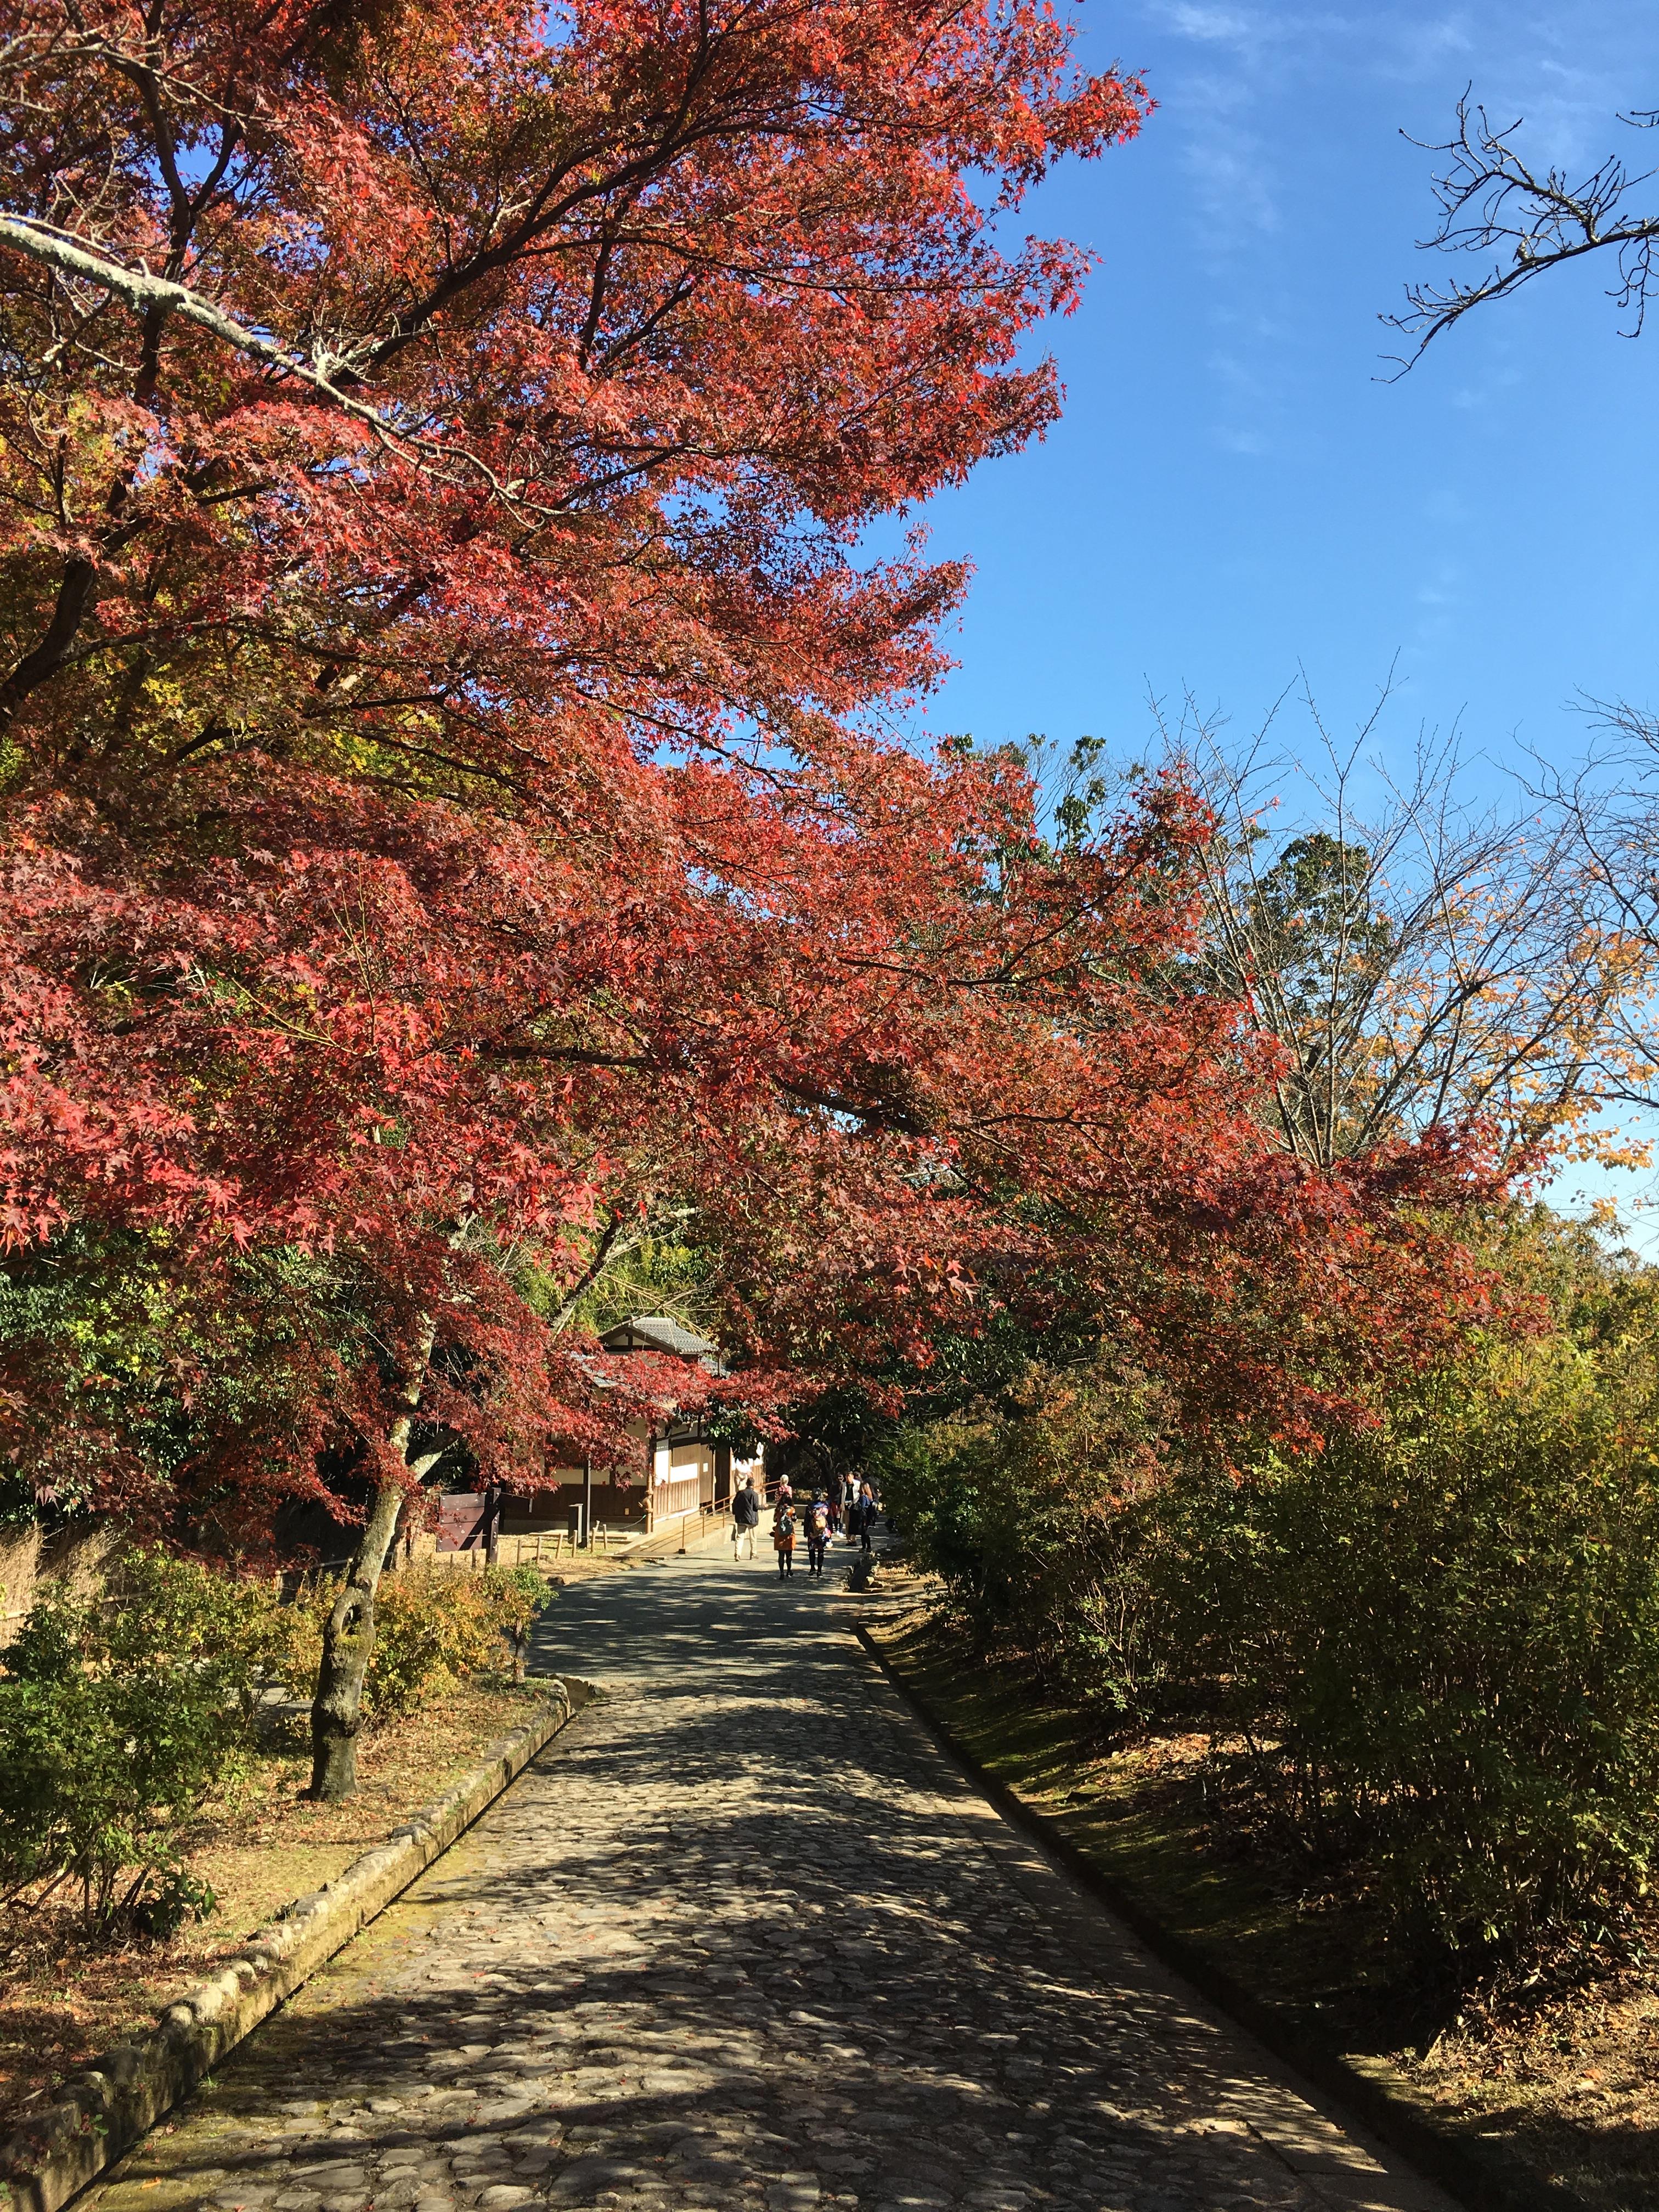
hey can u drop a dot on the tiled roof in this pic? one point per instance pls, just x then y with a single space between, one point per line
661 1333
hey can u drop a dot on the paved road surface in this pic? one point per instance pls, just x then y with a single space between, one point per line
742 1938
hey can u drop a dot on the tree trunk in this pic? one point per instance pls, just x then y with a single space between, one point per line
349 1633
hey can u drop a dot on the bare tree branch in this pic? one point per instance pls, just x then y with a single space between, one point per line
1610 808
149 297
145 293
1492 201
600 1259
1420 963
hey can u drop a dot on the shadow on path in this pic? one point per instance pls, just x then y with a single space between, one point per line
742 1938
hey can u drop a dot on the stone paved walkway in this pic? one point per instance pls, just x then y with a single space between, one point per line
742 1938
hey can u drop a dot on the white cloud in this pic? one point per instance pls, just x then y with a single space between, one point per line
1409 50
1225 26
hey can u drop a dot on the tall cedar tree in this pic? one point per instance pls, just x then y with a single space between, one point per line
445 797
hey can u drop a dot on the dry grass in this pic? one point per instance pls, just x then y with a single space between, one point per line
1574 2082
66 1999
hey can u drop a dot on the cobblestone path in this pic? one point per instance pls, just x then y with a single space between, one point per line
742 1938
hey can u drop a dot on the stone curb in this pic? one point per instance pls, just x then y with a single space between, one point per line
1488 2177
103 2112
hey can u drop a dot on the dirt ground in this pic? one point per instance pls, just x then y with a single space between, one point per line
1563 2079
1575 2085
66 1999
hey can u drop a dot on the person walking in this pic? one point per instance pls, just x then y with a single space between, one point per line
745 1519
817 1532
849 1508
866 1510
783 1537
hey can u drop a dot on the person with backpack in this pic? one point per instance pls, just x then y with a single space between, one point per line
817 1532
745 1519
866 1510
783 1536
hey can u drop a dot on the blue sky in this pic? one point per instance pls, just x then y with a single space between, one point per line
1232 492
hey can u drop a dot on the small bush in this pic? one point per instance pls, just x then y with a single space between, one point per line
433 1626
1036 1526
118 1716
515 1596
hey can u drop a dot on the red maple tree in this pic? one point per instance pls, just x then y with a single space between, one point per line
435 451
448 798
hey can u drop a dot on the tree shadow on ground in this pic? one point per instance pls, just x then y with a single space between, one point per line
732 1935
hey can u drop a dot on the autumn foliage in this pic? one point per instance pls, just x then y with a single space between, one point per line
451 795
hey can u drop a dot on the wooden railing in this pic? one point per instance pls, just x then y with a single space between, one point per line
531 1549
675 1532
706 1516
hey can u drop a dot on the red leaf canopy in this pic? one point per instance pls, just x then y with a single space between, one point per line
448 793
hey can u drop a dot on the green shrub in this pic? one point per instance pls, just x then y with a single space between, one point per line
433 1626
1443 1637
1033 1519
119 1716
515 1596
1437 1638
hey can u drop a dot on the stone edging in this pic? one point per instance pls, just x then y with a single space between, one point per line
103 2112
1485 2176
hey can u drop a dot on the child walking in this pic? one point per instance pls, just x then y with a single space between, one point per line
783 1535
817 1532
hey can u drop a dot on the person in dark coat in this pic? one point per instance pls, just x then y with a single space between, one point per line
866 1510
745 1519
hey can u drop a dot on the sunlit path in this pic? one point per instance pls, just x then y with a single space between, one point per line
744 1938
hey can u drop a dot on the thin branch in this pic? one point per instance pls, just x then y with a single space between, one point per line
603 1252
1492 201
147 296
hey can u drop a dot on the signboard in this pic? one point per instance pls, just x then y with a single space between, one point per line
460 1520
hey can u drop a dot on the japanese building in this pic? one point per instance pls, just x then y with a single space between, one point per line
680 1467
